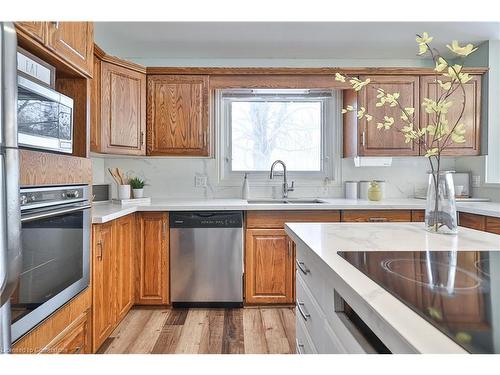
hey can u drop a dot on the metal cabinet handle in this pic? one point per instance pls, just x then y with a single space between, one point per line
55 24
302 266
304 314
142 139
100 247
377 219
164 229
299 346
77 350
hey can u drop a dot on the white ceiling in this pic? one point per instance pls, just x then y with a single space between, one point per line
287 40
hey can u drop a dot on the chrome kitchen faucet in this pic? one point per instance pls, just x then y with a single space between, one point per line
286 188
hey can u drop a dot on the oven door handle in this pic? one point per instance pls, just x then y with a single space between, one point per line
44 215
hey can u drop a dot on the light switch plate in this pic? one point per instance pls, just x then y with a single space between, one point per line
476 181
200 181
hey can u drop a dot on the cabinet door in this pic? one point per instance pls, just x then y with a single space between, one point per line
103 298
269 267
379 142
152 260
124 251
177 115
123 110
471 116
74 42
95 107
35 29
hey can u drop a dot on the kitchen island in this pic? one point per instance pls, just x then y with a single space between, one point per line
353 298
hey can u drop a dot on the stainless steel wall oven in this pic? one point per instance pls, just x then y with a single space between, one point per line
55 232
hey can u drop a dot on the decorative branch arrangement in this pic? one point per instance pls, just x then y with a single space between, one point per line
437 136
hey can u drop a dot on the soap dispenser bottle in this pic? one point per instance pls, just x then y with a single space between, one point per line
246 188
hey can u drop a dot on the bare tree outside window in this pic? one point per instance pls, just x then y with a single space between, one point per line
263 131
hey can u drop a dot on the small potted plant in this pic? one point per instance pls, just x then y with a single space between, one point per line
137 185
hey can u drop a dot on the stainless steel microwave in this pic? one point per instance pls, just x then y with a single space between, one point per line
44 117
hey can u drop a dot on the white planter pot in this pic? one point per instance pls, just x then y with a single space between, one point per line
138 193
123 191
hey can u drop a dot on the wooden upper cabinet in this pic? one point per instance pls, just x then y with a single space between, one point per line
178 115
269 267
379 142
73 41
123 110
471 116
95 108
34 29
152 285
103 284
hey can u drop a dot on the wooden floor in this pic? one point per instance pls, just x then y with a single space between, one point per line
204 331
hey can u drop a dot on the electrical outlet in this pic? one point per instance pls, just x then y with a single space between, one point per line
476 181
200 181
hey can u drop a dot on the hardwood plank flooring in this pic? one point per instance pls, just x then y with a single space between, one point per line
204 331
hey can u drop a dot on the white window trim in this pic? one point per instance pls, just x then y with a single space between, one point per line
331 173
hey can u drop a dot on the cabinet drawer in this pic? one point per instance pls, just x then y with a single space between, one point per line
308 266
472 221
493 224
303 341
375 215
277 219
309 313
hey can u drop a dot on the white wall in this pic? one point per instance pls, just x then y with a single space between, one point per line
174 178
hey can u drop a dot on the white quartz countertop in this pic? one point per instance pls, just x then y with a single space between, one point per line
103 212
326 239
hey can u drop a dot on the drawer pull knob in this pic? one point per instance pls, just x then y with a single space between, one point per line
300 307
302 266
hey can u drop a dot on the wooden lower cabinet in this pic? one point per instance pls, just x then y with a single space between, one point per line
125 254
103 284
112 275
74 339
269 267
376 216
493 224
152 259
65 331
472 221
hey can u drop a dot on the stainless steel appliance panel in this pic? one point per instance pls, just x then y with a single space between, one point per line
204 268
10 223
45 117
206 258
56 225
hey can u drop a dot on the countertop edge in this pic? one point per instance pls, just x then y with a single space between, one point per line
103 211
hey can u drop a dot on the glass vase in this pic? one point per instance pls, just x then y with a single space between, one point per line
440 209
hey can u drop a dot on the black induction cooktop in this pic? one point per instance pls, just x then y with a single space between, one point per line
456 291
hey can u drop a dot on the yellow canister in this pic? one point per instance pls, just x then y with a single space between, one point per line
374 191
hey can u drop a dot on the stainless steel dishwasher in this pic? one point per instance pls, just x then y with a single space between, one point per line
206 258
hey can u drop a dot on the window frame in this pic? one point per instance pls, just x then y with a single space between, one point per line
331 138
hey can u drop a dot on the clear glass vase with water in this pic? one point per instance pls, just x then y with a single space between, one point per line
440 209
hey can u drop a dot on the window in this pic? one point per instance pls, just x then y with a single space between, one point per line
260 126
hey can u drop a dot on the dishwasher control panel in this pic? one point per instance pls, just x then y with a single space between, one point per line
206 219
